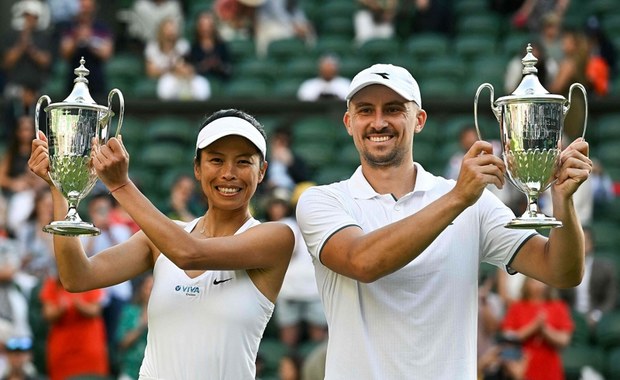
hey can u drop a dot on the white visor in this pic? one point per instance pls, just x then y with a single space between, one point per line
230 125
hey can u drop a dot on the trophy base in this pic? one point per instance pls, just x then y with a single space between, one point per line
66 228
539 221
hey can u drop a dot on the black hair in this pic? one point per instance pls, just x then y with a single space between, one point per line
232 112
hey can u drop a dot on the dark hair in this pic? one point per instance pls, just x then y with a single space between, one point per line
232 112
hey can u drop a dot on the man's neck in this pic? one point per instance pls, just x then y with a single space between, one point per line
395 180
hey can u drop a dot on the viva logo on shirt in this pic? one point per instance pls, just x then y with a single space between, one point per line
188 290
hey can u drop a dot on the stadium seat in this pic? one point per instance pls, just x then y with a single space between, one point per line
607 333
171 129
162 155
271 350
474 46
259 69
247 88
515 43
426 46
377 49
338 25
284 49
241 49
301 67
449 68
316 129
479 24
575 357
286 88
333 173
467 7
613 364
338 45
145 88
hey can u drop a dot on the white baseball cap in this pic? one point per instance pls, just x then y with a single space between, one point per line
395 77
230 125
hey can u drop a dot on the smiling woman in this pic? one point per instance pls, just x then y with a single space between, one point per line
215 278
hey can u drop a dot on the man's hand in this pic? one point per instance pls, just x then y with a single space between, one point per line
479 169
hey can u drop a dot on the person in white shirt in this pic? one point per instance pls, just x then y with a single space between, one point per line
328 84
397 250
216 278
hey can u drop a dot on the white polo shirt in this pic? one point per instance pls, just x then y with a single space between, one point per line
420 321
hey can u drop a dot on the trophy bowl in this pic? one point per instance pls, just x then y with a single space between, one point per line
531 124
71 127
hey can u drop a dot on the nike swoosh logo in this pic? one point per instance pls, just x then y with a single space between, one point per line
217 282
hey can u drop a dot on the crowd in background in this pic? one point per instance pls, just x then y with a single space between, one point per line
47 331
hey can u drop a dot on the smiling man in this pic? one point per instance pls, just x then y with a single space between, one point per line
397 249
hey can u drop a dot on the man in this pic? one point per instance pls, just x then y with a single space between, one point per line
327 85
397 250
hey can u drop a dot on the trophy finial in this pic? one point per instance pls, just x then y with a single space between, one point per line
81 72
529 61
80 93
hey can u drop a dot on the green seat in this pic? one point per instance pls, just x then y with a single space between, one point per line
609 154
301 67
613 364
263 69
127 66
575 357
351 65
163 155
479 24
377 49
606 234
439 87
467 7
241 49
283 49
448 68
607 333
247 88
172 129
338 25
472 46
319 129
272 350
515 43
338 8
333 173
316 154
338 45
145 88
286 88
347 155
426 46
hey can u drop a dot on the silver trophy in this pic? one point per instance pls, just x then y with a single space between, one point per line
71 126
531 121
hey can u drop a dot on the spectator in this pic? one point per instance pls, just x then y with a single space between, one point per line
597 293
236 18
146 16
286 168
298 304
424 16
289 367
504 361
182 204
132 329
209 52
18 183
543 324
19 360
313 367
601 66
467 137
572 69
281 19
26 54
13 297
166 60
36 245
530 15
76 342
327 85
602 187
375 19
92 39
116 296
551 42
547 68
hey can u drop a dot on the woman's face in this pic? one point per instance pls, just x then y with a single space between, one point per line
229 170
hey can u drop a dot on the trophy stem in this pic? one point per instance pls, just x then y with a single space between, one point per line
533 218
72 225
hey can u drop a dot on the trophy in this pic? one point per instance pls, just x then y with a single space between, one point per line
531 122
71 126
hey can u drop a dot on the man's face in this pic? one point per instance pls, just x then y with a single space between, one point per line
382 124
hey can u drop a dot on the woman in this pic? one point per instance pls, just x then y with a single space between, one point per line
544 326
218 277
209 53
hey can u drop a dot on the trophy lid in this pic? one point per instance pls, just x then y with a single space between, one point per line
530 88
80 95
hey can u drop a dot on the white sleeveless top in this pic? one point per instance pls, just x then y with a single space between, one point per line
208 327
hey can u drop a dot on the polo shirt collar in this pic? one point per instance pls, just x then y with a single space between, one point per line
360 188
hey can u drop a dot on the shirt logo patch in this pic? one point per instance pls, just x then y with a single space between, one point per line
191 291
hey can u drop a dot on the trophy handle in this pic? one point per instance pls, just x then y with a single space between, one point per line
37 111
585 101
121 111
493 108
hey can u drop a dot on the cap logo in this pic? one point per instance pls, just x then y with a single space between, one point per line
383 75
